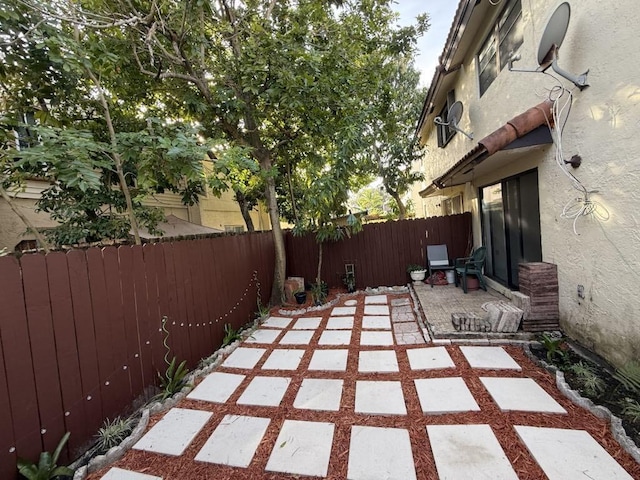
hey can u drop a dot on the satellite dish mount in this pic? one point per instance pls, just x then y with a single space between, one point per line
453 119
549 47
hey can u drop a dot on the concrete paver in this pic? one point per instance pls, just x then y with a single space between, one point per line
234 441
520 394
302 448
319 394
376 338
263 335
337 311
376 310
121 474
174 432
445 395
380 398
376 322
277 322
380 453
243 357
308 323
297 337
463 452
329 360
340 323
265 391
283 359
378 361
217 387
429 358
563 454
335 337
494 358
375 299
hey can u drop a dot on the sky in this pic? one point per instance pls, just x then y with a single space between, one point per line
430 45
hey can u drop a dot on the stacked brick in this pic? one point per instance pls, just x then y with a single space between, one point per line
539 281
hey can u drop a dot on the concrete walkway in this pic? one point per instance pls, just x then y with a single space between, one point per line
358 392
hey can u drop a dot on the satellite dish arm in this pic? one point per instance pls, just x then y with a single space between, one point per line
579 81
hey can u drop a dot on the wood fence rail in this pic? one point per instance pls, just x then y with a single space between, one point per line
81 332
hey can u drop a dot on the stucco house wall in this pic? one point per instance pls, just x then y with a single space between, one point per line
604 255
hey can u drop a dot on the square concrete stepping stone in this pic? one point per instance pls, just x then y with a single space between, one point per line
378 322
335 337
234 441
302 448
340 323
445 395
243 357
380 398
263 335
217 387
329 360
277 322
378 361
309 323
283 359
376 310
430 358
468 451
121 474
495 358
337 311
375 299
376 338
319 394
265 391
520 394
380 453
564 454
297 337
399 302
174 432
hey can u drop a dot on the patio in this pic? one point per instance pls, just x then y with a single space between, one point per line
357 391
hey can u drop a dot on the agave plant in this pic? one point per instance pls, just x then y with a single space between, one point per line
629 376
230 335
112 433
592 384
46 468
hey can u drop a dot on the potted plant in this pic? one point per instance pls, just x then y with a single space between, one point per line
349 280
300 296
320 290
417 272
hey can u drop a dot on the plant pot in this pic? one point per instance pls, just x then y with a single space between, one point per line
473 283
301 297
418 275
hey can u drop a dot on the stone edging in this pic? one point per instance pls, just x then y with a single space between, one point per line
598 410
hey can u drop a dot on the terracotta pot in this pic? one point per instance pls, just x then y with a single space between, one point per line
472 283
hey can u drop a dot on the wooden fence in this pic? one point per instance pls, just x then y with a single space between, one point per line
81 332
381 252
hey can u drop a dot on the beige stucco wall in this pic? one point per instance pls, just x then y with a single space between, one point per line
605 255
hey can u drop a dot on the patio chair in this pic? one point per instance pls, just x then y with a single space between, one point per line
437 259
471 266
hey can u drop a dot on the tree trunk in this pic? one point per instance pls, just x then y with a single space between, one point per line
402 210
245 209
277 292
318 278
30 226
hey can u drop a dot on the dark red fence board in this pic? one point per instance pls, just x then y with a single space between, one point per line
43 349
142 315
66 348
86 340
7 434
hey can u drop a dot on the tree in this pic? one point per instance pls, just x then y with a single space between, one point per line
394 143
374 200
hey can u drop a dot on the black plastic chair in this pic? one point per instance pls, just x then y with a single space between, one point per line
471 266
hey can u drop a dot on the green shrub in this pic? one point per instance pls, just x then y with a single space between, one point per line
629 376
112 433
174 379
46 469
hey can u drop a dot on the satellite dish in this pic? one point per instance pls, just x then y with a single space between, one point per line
549 46
453 119
554 33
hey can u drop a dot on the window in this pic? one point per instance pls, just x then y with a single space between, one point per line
234 228
505 38
452 205
445 134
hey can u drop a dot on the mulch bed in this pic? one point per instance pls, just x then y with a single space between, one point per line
185 468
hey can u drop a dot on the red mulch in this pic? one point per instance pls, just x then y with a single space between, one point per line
185 468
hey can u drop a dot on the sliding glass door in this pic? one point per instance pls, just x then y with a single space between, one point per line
511 226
